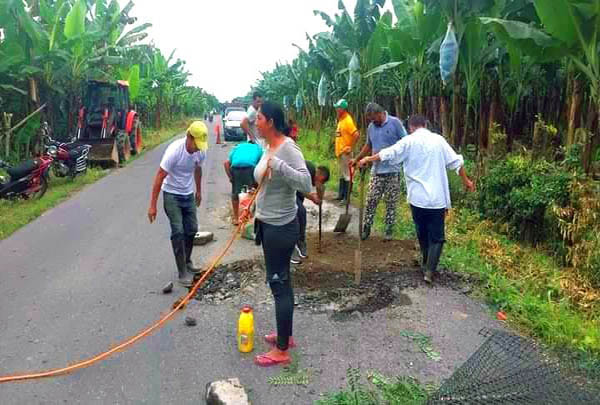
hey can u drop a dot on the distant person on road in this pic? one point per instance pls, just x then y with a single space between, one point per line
346 136
249 122
240 170
180 168
319 176
276 224
383 131
293 129
426 156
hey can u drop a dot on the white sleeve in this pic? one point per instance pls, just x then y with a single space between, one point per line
200 157
167 161
452 160
397 153
251 115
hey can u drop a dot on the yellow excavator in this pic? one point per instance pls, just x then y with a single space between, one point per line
108 123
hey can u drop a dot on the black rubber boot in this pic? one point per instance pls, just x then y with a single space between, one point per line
433 258
185 277
340 195
189 246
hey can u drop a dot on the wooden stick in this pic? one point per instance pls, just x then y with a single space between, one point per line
358 253
24 120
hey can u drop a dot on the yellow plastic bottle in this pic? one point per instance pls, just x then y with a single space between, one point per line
245 333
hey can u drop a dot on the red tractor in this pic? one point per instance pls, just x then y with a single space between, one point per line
109 123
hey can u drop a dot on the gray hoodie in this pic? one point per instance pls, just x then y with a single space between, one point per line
276 200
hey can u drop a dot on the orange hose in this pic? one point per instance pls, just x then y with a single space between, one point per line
161 322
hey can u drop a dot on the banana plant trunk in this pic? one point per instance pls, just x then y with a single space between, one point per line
573 111
455 111
445 116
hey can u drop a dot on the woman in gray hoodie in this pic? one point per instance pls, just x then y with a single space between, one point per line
277 227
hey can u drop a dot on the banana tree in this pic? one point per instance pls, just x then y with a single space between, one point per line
417 28
575 24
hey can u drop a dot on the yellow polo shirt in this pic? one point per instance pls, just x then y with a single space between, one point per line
344 135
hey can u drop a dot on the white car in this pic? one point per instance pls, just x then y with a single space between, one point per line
232 124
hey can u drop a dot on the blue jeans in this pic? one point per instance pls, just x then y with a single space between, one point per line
181 211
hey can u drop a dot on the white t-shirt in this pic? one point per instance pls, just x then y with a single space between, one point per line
259 140
426 157
252 113
180 164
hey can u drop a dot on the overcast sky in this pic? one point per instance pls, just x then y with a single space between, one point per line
227 43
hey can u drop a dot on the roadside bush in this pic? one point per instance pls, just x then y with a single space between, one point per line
579 224
519 192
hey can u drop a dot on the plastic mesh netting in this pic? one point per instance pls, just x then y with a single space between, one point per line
509 369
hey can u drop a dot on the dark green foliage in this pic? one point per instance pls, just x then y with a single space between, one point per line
519 192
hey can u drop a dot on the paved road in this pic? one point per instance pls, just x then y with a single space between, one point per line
86 274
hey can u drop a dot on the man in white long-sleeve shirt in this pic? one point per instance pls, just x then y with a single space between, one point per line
426 157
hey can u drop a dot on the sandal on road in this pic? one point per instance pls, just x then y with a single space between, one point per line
264 360
272 340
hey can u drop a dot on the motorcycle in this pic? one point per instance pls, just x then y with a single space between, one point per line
29 180
70 158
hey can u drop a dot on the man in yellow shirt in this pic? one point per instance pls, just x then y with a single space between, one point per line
346 136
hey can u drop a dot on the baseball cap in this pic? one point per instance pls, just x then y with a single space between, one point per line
343 104
199 132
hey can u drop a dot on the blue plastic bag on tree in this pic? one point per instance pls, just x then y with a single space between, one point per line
354 68
323 91
448 54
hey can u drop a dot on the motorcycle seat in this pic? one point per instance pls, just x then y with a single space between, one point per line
23 169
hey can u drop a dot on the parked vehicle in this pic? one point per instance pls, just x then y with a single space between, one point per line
69 158
108 123
230 109
29 180
232 126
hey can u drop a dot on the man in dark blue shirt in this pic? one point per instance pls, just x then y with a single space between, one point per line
384 130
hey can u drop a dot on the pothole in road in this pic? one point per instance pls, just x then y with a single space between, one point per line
324 283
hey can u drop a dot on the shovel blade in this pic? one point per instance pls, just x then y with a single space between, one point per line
342 223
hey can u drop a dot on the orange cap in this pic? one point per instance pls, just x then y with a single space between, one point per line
246 309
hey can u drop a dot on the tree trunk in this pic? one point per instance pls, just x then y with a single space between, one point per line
445 117
483 127
573 111
435 108
397 106
455 111
6 122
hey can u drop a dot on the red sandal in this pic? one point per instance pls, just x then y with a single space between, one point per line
264 360
272 340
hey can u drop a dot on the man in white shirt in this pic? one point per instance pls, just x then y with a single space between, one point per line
180 168
425 157
249 122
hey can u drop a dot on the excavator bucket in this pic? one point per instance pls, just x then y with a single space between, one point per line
105 151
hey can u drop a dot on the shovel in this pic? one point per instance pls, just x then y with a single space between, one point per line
344 219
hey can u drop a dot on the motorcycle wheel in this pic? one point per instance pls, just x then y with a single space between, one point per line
43 188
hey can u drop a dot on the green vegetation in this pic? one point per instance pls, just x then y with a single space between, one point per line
523 107
49 49
17 213
381 390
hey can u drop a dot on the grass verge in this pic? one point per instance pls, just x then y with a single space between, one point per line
378 390
526 283
16 214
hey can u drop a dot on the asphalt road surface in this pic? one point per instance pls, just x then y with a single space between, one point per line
88 273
